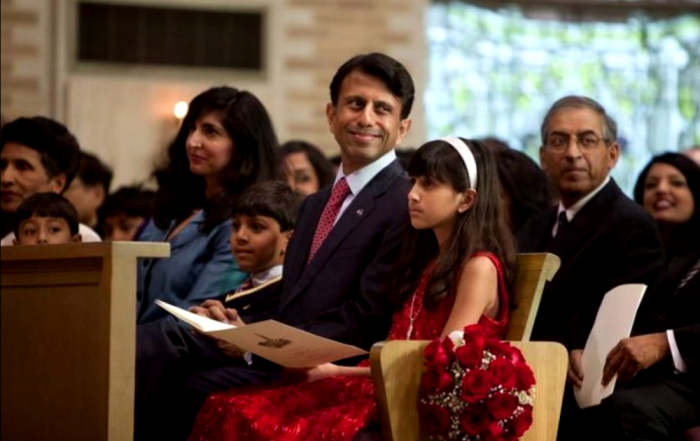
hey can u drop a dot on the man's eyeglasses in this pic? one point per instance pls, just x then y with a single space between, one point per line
584 141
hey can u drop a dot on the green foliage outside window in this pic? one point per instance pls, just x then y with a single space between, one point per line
495 73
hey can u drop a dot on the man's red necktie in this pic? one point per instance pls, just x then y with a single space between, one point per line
330 212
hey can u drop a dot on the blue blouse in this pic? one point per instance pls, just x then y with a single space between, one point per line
200 267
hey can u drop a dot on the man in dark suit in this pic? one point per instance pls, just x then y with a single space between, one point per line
345 242
602 237
659 366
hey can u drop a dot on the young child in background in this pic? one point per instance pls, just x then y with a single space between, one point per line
126 212
46 219
89 189
454 271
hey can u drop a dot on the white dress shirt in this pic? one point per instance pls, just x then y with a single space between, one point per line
572 211
265 276
357 180
678 362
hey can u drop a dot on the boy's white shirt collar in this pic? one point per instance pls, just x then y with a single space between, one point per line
87 234
266 276
359 178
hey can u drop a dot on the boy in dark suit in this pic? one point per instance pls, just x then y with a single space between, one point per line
263 223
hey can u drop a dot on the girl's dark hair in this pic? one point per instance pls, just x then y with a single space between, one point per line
686 236
481 228
254 159
47 205
322 166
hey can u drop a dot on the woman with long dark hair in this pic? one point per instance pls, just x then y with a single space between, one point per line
669 189
226 143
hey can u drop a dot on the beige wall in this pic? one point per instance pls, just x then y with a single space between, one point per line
125 115
26 57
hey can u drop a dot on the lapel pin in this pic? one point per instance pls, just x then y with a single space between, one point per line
360 212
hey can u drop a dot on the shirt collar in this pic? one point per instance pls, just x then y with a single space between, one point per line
267 275
359 178
574 209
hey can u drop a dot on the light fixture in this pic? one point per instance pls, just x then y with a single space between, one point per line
180 110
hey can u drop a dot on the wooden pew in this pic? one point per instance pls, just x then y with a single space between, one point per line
532 271
68 340
397 367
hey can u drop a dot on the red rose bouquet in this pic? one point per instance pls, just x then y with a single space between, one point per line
475 388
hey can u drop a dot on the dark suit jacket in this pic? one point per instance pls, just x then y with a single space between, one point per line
255 304
611 241
340 293
665 307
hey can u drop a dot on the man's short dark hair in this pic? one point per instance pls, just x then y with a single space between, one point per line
131 201
47 205
59 149
383 67
94 172
274 199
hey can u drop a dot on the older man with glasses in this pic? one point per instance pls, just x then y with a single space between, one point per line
603 238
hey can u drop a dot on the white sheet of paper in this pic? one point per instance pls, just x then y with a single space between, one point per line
275 341
202 323
612 323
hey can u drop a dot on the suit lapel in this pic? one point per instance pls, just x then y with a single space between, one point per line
297 254
680 268
358 210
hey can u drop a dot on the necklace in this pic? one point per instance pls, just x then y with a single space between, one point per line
421 288
412 318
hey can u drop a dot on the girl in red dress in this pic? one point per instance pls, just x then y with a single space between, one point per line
455 267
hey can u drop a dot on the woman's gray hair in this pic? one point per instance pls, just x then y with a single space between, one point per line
581 102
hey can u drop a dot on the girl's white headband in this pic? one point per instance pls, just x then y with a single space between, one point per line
467 156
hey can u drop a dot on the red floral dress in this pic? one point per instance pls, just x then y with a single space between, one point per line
332 409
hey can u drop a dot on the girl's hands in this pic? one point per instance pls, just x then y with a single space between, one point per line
313 374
